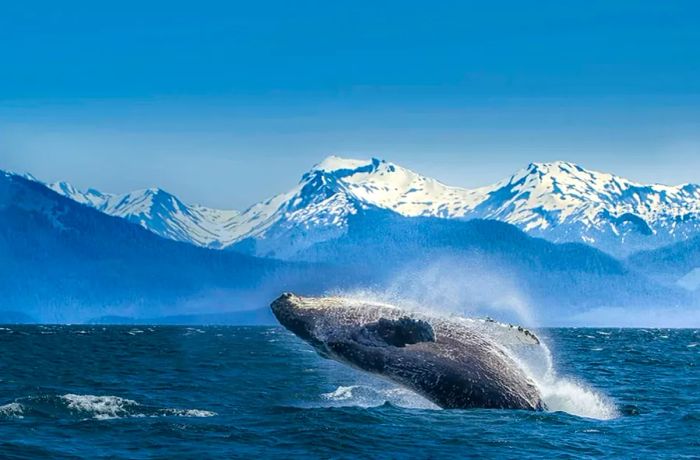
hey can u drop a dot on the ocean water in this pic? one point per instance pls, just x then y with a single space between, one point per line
242 392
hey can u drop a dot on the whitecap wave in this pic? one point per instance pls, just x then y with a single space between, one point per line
12 410
91 407
109 407
188 412
101 407
367 396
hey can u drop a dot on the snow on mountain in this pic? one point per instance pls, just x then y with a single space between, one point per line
563 202
558 201
158 211
91 197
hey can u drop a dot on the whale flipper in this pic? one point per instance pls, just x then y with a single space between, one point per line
395 332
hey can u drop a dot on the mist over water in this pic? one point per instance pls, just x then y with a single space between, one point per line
478 287
458 285
448 285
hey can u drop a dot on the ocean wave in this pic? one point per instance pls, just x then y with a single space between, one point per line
12 410
102 407
91 407
367 396
188 412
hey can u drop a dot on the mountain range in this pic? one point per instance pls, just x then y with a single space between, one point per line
521 248
558 201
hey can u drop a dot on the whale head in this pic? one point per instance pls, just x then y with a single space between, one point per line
326 323
296 316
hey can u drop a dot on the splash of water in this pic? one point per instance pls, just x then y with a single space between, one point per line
371 396
560 393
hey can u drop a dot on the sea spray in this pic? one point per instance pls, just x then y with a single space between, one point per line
374 394
462 285
560 393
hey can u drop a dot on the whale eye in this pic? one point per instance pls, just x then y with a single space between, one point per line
395 332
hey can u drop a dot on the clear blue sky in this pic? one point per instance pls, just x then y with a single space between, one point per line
225 103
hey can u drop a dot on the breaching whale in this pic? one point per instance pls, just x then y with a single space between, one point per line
456 363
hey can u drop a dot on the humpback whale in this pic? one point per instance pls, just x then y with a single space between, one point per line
456 363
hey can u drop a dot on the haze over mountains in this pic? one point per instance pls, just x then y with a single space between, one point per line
558 201
349 226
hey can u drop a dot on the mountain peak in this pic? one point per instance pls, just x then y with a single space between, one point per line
555 167
151 191
334 163
66 187
557 175
24 175
344 167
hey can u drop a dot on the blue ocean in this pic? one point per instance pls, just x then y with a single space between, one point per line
243 392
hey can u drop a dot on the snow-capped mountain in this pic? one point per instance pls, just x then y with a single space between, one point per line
558 201
158 211
563 202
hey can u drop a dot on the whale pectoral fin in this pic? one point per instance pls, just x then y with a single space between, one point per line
395 332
